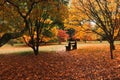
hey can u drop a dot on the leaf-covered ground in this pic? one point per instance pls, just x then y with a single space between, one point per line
87 63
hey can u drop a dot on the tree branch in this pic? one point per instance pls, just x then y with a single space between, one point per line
7 36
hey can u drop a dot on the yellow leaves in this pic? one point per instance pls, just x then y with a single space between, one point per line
48 21
99 30
54 31
79 35
53 8
46 39
111 1
116 32
112 6
27 38
54 35
57 10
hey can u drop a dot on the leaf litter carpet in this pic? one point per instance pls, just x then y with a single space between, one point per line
87 63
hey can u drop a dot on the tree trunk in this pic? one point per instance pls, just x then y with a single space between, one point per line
111 52
112 47
36 50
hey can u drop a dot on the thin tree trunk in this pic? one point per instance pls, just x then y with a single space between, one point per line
111 52
37 44
36 51
112 47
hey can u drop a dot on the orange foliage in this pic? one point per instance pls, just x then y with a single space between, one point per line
87 63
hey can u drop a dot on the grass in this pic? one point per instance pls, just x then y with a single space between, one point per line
24 53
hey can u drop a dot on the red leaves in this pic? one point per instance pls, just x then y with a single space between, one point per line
85 63
62 35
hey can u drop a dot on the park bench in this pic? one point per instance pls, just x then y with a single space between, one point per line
72 44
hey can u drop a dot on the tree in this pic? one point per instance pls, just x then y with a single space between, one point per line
17 8
62 35
105 14
53 32
34 16
76 21
71 32
43 23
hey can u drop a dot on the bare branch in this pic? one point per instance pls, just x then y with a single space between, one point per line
7 36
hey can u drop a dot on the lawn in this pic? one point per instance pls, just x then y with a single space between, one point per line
86 63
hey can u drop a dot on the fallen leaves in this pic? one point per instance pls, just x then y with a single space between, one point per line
90 63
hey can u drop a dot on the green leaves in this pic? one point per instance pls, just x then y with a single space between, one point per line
47 33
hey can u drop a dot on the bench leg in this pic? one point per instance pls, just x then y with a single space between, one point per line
68 48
